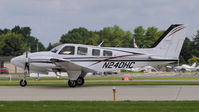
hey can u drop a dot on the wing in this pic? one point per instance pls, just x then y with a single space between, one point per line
67 65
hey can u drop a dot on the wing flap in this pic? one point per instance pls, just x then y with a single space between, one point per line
67 65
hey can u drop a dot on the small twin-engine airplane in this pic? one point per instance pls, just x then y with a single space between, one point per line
77 59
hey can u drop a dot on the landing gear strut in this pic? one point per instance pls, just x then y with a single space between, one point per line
74 83
23 81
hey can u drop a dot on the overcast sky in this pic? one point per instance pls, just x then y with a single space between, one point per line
49 19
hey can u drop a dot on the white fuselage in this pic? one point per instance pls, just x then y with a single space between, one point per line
120 58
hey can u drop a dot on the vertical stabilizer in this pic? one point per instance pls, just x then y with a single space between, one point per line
170 43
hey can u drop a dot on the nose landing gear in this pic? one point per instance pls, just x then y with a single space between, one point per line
23 83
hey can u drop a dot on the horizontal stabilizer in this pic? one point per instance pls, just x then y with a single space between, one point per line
154 57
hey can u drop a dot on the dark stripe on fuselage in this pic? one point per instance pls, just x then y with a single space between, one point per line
84 57
117 60
104 61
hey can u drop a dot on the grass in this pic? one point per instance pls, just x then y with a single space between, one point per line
107 81
99 106
117 83
102 82
119 78
145 78
11 73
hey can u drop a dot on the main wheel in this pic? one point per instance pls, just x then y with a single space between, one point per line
80 81
183 70
23 83
72 83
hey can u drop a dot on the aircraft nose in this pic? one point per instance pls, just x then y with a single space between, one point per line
16 61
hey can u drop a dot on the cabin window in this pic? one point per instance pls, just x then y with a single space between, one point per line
95 52
82 50
68 50
107 53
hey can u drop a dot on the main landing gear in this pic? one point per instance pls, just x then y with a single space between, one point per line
74 83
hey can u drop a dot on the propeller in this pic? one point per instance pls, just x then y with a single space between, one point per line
27 65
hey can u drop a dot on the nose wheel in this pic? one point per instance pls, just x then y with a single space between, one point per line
23 83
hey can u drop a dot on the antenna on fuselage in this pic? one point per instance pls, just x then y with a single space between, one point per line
100 44
118 44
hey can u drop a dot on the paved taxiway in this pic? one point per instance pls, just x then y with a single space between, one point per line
101 93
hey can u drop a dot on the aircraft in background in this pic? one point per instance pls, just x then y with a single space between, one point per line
78 59
185 67
145 69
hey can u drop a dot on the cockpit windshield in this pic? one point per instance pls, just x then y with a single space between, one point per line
54 50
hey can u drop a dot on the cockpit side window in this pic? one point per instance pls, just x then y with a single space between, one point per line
68 50
95 52
107 53
82 51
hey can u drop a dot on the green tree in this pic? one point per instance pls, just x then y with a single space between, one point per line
139 35
186 50
4 31
146 38
112 36
25 31
195 45
78 36
13 44
2 43
115 37
181 60
49 47
193 60
31 42
151 36
18 40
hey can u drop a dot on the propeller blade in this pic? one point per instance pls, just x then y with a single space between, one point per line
26 54
27 65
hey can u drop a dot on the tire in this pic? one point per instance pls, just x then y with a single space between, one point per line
72 83
183 70
23 83
80 81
